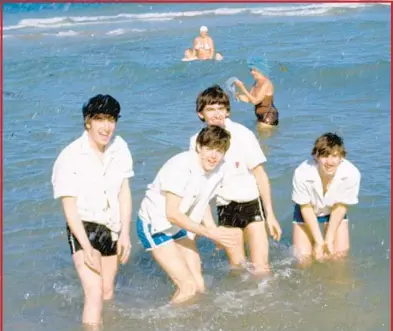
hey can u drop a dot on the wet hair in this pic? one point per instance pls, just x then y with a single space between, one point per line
101 106
328 144
213 95
214 137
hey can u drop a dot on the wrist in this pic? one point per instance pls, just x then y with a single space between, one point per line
86 245
204 231
319 242
125 227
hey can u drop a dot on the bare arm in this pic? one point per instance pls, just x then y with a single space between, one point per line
212 50
263 184
208 219
194 49
310 219
260 95
222 236
336 217
176 217
125 203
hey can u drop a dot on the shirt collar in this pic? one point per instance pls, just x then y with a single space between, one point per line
111 148
313 173
228 122
195 166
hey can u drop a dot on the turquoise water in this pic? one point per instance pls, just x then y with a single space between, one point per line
57 56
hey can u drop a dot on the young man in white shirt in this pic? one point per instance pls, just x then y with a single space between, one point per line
244 200
323 188
176 208
91 177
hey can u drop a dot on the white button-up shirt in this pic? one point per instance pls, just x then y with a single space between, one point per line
78 172
181 175
307 187
244 154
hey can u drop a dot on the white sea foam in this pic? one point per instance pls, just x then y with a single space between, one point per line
69 21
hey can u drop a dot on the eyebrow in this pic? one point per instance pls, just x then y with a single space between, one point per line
214 108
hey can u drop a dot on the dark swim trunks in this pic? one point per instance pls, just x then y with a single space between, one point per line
241 214
99 237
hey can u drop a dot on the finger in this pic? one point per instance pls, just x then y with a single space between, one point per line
126 255
119 249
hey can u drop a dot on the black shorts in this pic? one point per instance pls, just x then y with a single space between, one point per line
240 214
99 237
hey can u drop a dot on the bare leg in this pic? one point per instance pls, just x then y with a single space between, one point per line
109 267
237 255
341 240
302 243
256 236
92 287
172 261
191 255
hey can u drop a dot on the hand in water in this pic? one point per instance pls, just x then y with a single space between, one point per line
225 237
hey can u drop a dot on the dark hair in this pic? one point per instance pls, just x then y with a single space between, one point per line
327 144
214 136
101 105
211 96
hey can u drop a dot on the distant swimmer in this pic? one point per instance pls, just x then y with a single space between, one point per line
203 45
189 55
261 93
323 188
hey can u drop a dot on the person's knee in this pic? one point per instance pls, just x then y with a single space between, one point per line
108 292
93 297
200 284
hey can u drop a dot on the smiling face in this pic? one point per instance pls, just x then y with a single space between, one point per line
327 165
214 114
328 152
209 157
100 129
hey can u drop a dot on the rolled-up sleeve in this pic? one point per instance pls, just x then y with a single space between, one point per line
174 180
253 153
64 178
300 194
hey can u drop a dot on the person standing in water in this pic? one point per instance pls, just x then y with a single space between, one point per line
91 177
176 208
203 45
323 188
244 201
261 94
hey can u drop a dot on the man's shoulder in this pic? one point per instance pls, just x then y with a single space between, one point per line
349 169
304 169
238 129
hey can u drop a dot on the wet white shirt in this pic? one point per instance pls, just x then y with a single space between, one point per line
307 187
244 154
181 175
78 172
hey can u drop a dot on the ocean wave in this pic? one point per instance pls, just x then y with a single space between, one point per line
301 10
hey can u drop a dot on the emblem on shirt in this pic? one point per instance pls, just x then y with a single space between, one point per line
237 164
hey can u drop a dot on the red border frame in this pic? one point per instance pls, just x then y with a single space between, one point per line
162 2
